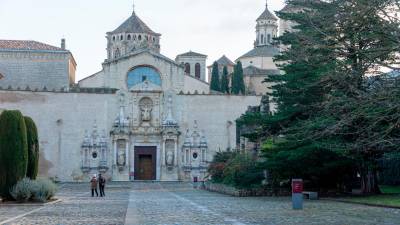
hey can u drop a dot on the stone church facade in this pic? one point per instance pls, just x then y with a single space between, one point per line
142 117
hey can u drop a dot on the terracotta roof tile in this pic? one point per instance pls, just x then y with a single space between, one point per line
27 45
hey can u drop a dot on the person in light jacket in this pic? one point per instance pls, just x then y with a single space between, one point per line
93 185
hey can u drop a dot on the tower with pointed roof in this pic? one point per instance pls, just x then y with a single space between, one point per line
267 28
132 35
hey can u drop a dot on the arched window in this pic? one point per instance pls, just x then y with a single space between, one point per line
129 37
140 37
154 39
187 68
117 53
114 38
197 70
122 37
269 38
141 74
262 38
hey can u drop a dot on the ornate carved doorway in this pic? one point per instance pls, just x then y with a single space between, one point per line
145 163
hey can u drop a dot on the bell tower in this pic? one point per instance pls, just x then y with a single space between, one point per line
267 28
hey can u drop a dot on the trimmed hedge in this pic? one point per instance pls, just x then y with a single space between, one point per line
13 151
33 148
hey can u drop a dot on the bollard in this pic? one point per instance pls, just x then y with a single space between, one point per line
297 193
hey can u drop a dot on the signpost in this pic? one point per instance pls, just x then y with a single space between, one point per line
297 193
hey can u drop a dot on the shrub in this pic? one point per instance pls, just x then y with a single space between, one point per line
33 148
217 166
22 191
13 151
44 190
242 172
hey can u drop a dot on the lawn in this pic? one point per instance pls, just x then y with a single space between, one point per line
390 197
390 189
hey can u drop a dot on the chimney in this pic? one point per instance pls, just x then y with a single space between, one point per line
63 43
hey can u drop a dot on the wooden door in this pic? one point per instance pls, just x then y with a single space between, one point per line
145 167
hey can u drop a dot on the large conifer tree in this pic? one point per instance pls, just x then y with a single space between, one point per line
238 86
13 150
225 81
324 101
33 148
215 80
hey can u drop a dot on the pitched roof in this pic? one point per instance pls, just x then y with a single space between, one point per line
253 71
27 46
134 25
267 15
225 61
195 54
265 51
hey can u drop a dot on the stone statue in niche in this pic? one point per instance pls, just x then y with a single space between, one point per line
146 108
169 152
121 158
170 158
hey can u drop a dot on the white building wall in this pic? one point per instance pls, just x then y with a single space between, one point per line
62 119
260 62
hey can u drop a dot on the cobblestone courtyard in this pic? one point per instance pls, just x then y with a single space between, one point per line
180 204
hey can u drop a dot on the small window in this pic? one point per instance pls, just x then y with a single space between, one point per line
94 155
187 68
122 37
147 38
154 39
197 70
269 38
262 38
129 37
140 37
117 53
114 38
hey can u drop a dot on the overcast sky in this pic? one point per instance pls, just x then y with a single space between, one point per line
211 27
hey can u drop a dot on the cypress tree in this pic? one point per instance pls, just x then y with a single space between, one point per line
225 81
33 148
215 86
237 79
13 150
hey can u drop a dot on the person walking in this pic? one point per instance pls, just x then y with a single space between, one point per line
93 185
102 185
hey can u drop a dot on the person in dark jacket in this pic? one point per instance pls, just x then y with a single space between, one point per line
102 185
93 185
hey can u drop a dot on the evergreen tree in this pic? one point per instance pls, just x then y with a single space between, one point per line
13 150
237 79
225 81
33 148
325 104
215 81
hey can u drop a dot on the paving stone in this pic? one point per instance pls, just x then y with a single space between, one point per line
179 204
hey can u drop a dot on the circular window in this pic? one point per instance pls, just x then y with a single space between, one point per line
94 155
195 155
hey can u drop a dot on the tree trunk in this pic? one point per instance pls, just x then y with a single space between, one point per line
369 181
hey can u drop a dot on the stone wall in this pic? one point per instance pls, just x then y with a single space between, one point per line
36 70
63 117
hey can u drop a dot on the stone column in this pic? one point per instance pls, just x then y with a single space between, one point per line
176 152
115 153
127 153
162 157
